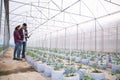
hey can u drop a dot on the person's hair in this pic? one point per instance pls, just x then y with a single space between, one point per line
24 24
16 28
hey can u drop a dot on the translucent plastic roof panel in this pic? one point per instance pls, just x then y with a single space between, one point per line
53 15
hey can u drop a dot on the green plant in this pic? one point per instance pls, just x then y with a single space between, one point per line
78 54
59 60
43 60
1 48
69 71
116 58
95 68
44 55
117 71
117 74
50 62
84 56
58 66
79 66
101 61
28 52
55 50
92 52
35 51
87 77
92 58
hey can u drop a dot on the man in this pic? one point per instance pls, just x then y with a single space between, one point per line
24 35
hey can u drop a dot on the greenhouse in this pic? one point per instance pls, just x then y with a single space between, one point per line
59 39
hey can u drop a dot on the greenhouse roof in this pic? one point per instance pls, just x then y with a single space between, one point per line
48 16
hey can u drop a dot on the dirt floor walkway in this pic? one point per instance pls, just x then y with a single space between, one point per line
17 70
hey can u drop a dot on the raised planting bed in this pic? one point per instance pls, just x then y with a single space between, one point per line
50 70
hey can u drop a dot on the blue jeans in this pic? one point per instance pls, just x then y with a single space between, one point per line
17 50
23 46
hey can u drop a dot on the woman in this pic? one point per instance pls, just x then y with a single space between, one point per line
17 43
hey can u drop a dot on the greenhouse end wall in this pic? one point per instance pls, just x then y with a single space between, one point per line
107 40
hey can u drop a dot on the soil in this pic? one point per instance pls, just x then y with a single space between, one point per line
17 70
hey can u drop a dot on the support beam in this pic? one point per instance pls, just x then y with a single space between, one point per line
17 8
112 2
49 8
41 13
55 4
41 18
103 6
55 15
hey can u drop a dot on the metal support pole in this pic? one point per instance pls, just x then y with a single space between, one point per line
77 38
26 16
70 47
61 4
65 39
42 42
117 39
1 2
108 36
6 25
31 9
83 40
80 8
102 41
57 41
95 36
50 39
48 44
45 41
48 10
90 40
38 3
35 43
39 42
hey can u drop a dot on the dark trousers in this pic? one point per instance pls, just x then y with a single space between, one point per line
23 48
